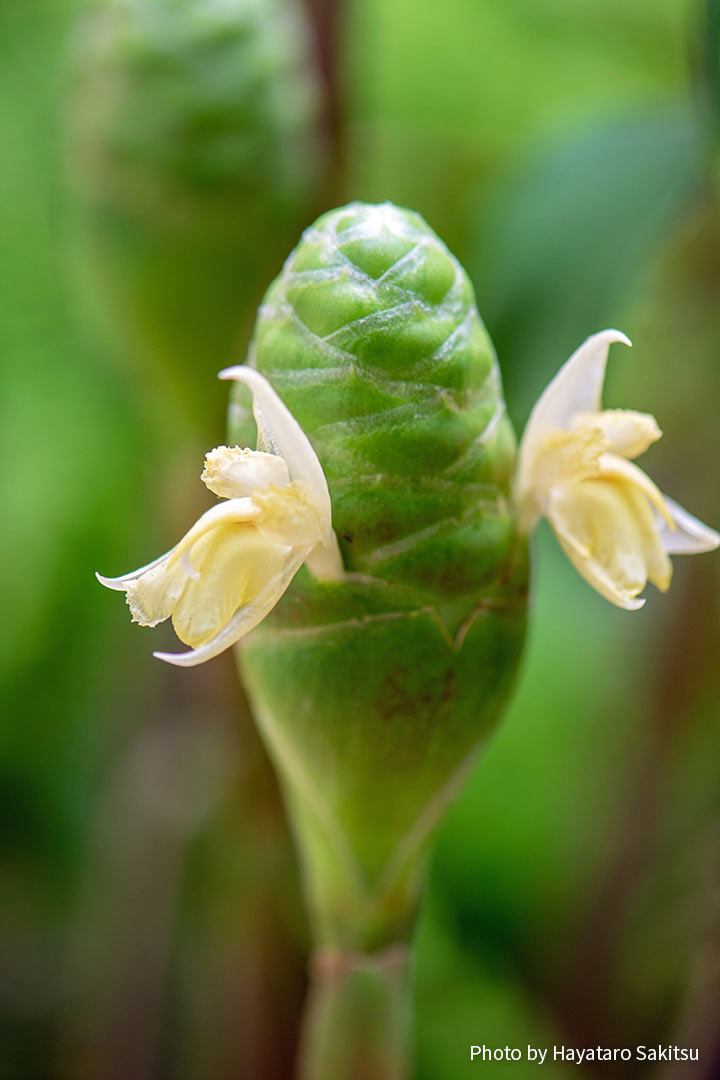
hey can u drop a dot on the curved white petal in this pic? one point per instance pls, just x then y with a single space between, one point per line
577 388
233 510
689 537
277 424
243 621
119 584
279 431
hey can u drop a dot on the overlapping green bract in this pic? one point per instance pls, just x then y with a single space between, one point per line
189 99
374 693
372 337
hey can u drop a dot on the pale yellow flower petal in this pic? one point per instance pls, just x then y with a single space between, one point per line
564 457
226 560
228 571
602 534
288 516
232 472
659 567
234 564
243 621
613 467
234 511
628 433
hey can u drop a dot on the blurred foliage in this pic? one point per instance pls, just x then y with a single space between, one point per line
196 150
557 149
440 100
562 238
71 441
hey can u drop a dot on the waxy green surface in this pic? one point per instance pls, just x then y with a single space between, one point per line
374 693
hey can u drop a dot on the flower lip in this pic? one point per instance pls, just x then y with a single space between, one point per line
242 622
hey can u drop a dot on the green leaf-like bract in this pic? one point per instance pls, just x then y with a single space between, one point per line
374 693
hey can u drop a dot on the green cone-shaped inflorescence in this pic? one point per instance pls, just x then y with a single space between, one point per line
194 148
374 693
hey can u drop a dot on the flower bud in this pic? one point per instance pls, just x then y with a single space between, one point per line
374 692
194 153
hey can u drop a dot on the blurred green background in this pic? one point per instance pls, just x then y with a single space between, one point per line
159 159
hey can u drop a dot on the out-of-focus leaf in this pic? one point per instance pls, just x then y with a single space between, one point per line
566 234
472 1000
443 93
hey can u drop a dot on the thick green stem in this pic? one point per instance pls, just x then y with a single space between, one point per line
357 1017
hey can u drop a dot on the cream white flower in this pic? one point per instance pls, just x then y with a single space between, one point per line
238 559
575 469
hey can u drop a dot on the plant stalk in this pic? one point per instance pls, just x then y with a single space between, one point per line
357 1016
